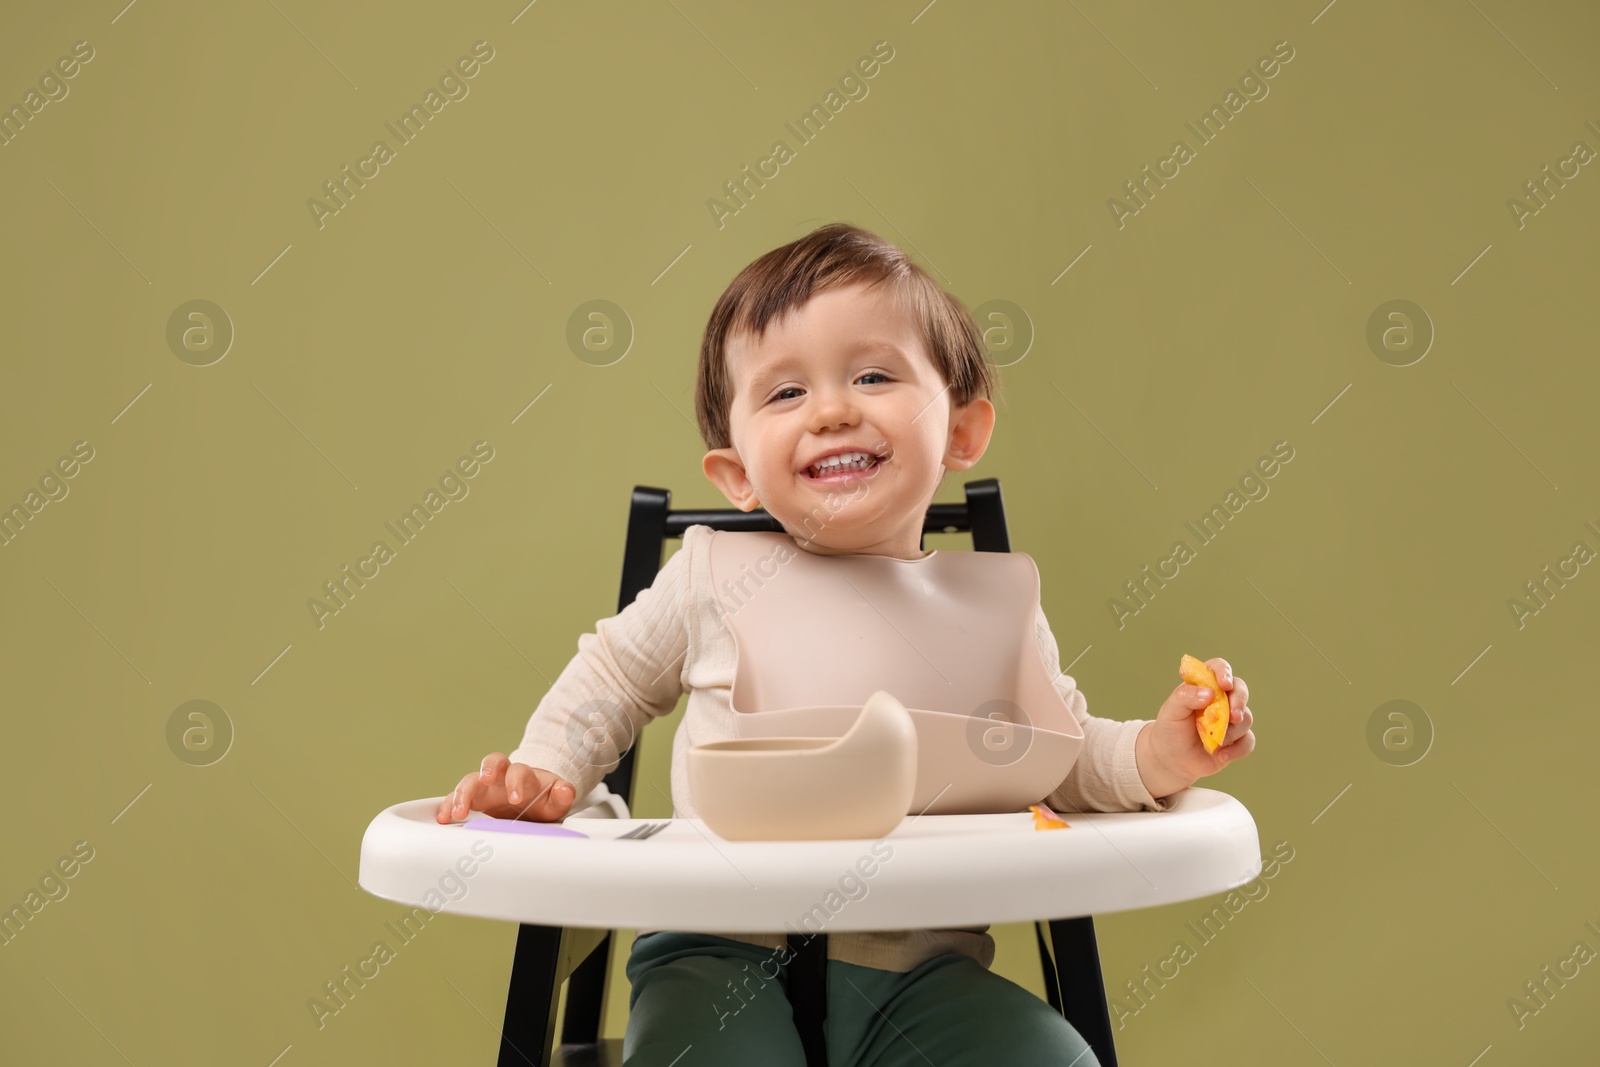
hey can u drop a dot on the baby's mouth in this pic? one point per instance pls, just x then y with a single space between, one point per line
858 468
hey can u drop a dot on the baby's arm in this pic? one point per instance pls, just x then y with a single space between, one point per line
626 673
1105 776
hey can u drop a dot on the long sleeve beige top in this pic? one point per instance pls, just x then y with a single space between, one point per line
672 639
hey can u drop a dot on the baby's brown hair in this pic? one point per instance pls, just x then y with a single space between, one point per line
830 257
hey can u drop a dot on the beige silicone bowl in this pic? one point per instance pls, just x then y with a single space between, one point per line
810 788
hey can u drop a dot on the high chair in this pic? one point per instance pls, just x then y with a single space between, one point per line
548 955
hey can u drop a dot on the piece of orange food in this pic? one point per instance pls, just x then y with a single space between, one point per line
1045 819
1213 720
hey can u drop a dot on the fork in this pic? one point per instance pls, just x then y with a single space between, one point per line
642 831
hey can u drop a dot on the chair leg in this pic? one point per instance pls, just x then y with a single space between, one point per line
1052 988
529 1027
1082 988
808 993
586 991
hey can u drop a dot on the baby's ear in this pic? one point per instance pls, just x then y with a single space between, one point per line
724 470
972 426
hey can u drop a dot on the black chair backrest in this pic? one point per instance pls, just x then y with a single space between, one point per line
651 521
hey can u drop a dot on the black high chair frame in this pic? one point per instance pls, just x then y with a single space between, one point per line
548 955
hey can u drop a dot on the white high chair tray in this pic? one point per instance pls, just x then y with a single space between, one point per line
940 870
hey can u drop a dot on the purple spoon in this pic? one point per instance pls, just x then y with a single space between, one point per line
520 826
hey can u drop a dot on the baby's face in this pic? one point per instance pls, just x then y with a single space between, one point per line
847 372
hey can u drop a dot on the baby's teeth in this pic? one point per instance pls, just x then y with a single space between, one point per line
856 460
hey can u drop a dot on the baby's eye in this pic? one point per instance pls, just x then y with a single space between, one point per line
781 394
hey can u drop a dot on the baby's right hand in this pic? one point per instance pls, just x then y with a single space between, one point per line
505 790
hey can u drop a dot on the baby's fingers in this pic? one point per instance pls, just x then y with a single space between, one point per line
447 803
493 767
481 789
451 805
522 785
1238 697
1239 749
539 795
1185 700
466 795
1223 670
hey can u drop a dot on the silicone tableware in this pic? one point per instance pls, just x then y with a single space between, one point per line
810 788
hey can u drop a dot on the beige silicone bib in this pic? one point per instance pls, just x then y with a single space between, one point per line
951 636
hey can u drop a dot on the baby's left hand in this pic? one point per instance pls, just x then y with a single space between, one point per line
1176 752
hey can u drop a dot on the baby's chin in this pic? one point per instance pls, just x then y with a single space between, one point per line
826 544
840 536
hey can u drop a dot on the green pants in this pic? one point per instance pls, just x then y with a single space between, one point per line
698 1000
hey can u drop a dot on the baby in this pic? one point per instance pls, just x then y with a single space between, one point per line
834 344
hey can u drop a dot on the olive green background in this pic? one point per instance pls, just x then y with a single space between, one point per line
369 354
